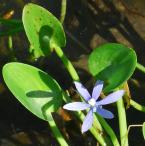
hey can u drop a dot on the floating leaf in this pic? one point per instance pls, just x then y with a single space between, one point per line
43 30
113 63
35 89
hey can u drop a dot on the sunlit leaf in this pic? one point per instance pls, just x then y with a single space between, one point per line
35 89
43 30
112 63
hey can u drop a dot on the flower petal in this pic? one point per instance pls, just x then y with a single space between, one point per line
105 113
76 106
113 97
82 91
97 89
88 121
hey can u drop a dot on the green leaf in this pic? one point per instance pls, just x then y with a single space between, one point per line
113 63
35 89
43 30
143 130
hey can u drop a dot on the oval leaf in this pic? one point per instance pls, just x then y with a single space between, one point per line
112 63
35 89
43 30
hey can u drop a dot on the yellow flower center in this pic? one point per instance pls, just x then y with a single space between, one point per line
92 102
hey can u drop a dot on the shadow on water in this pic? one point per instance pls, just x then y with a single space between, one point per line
98 21
101 22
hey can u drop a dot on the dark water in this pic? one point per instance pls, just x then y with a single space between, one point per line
87 25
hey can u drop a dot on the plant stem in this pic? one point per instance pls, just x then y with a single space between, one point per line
96 124
75 77
10 22
12 31
10 43
10 46
67 63
137 106
96 132
133 126
140 67
109 131
122 122
56 131
63 10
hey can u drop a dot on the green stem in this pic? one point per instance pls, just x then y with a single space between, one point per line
10 46
96 132
63 10
75 77
67 63
137 106
10 43
109 131
14 26
122 122
10 21
12 31
96 124
140 67
61 140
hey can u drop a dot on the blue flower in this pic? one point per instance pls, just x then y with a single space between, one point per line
92 103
